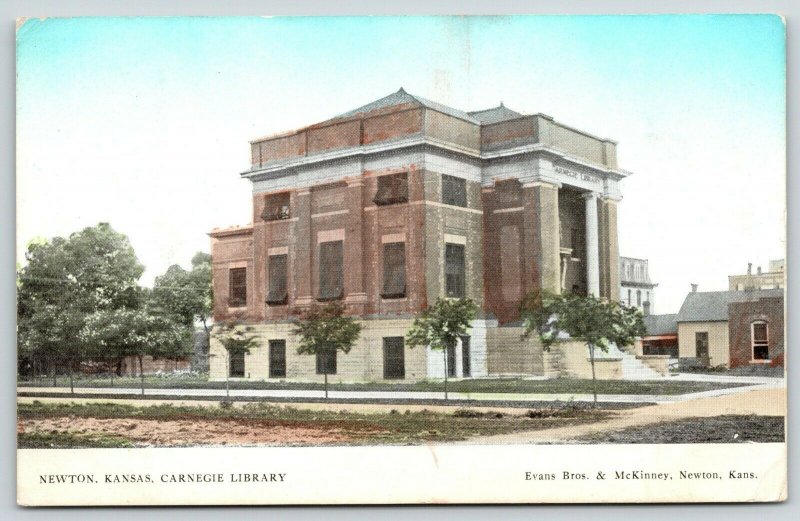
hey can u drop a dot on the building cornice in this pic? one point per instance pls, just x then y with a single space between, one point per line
421 141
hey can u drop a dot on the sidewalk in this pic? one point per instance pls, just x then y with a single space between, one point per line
405 396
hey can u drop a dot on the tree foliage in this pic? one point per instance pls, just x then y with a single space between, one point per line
236 336
186 295
596 321
599 323
440 326
326 327
67 279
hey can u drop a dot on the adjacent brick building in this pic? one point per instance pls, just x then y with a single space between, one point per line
389 206
731 328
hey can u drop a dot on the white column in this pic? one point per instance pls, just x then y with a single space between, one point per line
592 245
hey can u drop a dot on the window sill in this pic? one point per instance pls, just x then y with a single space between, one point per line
237 308
394 297
451 205
330 299
765 361
390 203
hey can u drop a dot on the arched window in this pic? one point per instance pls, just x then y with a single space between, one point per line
760 340
638 297
630 300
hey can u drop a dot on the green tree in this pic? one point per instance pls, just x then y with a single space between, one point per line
187 295
598 322
66 279
325 330
238 338
133 333
441 326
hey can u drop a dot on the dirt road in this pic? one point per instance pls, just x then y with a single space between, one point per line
762 402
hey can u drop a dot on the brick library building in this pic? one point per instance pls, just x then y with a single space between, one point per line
389 206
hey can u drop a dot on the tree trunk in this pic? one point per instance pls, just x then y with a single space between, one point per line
445 373
141 372
55 377
326 384
227 375
112 376
71 382
594 378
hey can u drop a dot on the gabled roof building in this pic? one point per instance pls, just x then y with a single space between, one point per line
388 206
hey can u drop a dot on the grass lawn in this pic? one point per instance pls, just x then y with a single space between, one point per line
116 425
716 429
487 385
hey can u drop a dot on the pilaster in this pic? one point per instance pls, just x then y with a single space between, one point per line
354 287
609 249
303 245
541 241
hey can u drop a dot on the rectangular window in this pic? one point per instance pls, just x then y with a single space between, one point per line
454 270
454 191
760 341
451 361
236 364
237 291
277 358
331 276
276 207
466 362
392 189
326 361
394 270
701 345
393 358
278 290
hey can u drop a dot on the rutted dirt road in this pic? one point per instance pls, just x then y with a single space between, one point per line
761 402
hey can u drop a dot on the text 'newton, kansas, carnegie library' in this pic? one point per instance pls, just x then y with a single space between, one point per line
68 479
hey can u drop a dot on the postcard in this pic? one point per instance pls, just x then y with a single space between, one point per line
401 260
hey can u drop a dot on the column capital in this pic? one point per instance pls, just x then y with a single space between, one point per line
590 195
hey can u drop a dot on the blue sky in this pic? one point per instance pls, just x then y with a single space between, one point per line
144 122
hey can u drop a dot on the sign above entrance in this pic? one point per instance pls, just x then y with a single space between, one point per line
576 175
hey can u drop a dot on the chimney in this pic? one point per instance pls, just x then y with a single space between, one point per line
694 288
749 268
758 270
646 308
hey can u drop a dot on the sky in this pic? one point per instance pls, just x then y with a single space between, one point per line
144 122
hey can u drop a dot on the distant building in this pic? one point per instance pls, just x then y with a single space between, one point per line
662 335
636 289
731 328
772 279
720 328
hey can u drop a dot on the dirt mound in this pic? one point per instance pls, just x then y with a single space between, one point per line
189 432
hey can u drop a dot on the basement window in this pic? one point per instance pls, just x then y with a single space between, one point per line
326 361
276 207
393 358
392 189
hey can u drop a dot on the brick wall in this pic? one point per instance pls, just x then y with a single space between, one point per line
742 315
